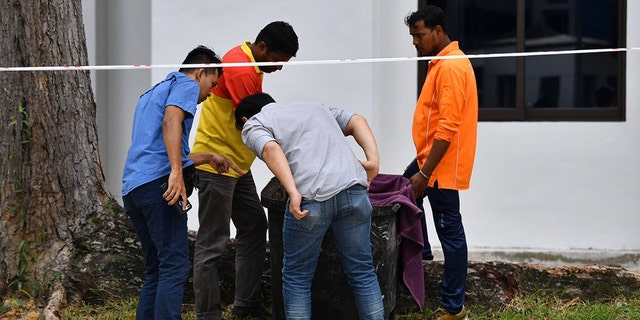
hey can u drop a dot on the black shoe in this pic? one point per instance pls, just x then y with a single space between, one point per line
251 312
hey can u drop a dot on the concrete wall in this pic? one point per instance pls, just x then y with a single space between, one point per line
541 186
118 33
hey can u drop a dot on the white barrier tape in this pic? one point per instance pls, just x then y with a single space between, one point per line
318 62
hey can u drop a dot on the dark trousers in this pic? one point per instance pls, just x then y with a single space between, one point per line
412 169
223 199
162 232
445 207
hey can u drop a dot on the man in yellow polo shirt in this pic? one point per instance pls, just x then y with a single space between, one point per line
225 196
444 131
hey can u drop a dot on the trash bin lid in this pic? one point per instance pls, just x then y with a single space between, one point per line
273 195
379 211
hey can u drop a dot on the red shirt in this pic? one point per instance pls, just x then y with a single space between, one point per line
237 83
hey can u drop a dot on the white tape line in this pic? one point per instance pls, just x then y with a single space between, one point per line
319 62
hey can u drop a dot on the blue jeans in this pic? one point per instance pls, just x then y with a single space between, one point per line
445 206
348 214
162 232
412 169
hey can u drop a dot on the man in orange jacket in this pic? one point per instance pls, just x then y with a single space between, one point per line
444 132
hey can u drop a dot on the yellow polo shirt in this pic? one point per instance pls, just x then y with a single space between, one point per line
216 129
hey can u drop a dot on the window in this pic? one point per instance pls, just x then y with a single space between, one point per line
571 87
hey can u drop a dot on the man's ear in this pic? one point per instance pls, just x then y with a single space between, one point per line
244 119
438 29
200 74
261 46
260 49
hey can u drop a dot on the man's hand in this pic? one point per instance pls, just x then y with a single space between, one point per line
294 206
222 164
218 162
176 189
418 185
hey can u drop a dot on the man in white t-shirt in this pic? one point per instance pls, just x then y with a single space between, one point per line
304 145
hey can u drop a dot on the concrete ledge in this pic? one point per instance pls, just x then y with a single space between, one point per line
627 259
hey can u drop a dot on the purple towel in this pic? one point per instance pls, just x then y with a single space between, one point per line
387 189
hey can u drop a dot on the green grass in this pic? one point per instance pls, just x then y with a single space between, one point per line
4 309
534 306
116 310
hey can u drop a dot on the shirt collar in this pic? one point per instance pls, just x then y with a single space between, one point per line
245 48
446 51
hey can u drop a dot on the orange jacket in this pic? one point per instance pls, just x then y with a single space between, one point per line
447 109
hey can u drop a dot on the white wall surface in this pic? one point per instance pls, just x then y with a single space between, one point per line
540 185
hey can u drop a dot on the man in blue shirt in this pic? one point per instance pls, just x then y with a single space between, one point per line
160 155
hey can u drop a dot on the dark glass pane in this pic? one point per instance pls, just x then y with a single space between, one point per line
486 27
600 79
496 79
571 81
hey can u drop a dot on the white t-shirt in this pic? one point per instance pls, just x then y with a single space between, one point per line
312 137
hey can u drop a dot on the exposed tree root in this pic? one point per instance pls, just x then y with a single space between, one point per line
57 301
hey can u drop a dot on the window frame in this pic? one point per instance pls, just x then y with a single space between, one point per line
522 113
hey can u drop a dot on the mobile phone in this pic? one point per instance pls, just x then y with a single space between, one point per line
178 204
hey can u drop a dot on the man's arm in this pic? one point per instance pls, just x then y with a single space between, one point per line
418 181
450 118
358 127
276 161
438 150
172 135
218 162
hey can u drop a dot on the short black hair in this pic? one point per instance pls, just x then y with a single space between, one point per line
280 37
250 106
201 55
430 15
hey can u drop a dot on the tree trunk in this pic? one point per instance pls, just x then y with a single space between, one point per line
62 236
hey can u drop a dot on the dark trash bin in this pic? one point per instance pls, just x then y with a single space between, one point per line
331 294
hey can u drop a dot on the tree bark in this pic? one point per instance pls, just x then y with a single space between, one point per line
62 236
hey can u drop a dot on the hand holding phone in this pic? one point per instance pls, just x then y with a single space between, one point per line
178 204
